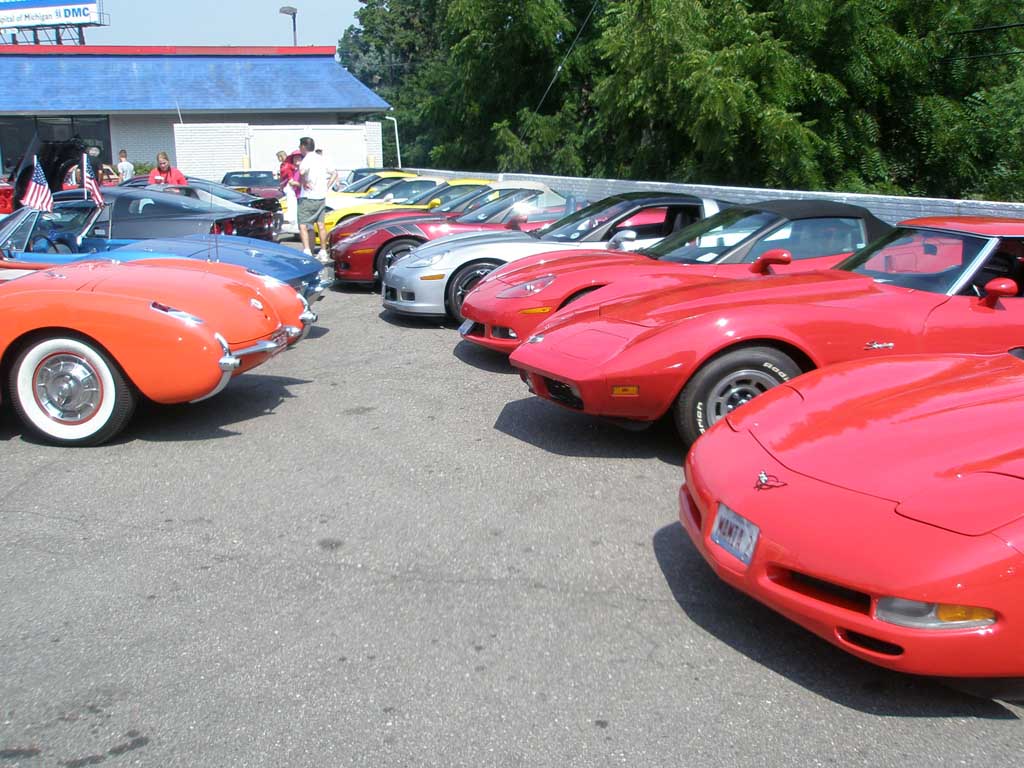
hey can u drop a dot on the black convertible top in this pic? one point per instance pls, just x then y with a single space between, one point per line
816 209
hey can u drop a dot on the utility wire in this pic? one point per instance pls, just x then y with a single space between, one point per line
558 71
996 27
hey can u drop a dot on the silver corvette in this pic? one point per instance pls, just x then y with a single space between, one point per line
433 280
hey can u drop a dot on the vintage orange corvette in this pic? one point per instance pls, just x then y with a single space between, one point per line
81 343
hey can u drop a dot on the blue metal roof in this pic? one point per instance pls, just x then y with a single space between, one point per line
59 83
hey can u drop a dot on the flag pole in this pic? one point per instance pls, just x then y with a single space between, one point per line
85 190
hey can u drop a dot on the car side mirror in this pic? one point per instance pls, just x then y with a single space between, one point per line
620 238
434 203
763 264
516 221
998 288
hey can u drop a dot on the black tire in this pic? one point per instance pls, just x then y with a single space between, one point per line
462 282
69 392
726 382
579 295
390 253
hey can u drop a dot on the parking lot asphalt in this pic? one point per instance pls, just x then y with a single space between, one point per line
379 550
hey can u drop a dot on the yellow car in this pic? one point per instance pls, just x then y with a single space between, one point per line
367 185
421 193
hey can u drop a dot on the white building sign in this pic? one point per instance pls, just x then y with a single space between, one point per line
17 14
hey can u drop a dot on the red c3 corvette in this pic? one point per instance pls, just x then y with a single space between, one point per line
877 504
932 285
507 305
79 344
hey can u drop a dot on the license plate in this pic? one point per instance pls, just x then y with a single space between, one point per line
464 328
735 534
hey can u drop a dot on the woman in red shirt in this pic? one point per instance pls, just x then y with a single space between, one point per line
164 173
290 181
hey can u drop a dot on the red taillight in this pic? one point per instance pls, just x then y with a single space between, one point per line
226 227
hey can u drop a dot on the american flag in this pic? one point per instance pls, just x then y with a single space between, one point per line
90 183
37 193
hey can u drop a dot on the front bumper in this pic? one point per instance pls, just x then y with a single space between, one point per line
234 362
495 329
824 555
353 264
405 292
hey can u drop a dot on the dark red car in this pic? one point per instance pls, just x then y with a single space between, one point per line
364 256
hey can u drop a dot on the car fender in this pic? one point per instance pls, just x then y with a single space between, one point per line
148 345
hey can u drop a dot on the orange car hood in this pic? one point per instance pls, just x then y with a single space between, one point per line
228 307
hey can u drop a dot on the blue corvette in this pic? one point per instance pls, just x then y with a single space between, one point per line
31 238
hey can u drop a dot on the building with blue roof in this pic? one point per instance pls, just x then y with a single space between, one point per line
209 108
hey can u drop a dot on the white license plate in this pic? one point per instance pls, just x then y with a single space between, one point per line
735 534
464 328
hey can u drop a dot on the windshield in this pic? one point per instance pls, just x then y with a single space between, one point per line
926 260
220 190
447 194
704 241
494 208
363 184
404 190
578 225
249 178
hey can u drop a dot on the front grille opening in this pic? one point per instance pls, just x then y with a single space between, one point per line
501 332
561 393
390 293
408 296
477 329
825 591
870 643
694 509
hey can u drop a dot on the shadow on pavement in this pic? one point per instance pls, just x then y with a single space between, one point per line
412 321
558 431
787 649
482 358
247 397
316 332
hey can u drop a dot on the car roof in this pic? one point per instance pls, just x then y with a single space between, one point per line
795 210
989 226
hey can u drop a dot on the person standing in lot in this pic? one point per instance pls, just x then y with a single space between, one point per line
164 173
124 168
289 182
312 197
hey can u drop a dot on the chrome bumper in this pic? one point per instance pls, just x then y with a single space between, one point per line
231 361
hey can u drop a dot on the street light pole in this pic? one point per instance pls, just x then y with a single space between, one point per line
291 10
398 148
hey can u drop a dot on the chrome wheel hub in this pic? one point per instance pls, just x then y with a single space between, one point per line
67 388
737 389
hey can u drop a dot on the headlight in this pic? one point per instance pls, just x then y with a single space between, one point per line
919 615
528 288
177 314
358 237
412 261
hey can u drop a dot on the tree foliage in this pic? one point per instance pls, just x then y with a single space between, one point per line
854 95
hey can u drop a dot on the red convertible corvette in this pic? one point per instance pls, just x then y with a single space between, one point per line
508 304
794 500
932 285
79 344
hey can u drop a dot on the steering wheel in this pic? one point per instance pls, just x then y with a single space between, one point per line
42 244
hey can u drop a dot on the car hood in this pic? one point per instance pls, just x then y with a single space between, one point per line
278 261
477 237
824 288
913 430
226 306
568 263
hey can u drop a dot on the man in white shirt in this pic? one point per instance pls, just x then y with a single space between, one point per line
125 169
312 197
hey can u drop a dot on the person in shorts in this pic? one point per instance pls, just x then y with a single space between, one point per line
312 197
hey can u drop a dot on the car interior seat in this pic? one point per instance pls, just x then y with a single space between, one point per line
999 264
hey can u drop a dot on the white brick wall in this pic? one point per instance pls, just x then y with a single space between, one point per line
374 145
143 136
210 150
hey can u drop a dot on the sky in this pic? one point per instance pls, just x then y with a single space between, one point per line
221 22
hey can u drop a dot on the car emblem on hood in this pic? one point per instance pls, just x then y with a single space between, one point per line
256 304
535 339
766 481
